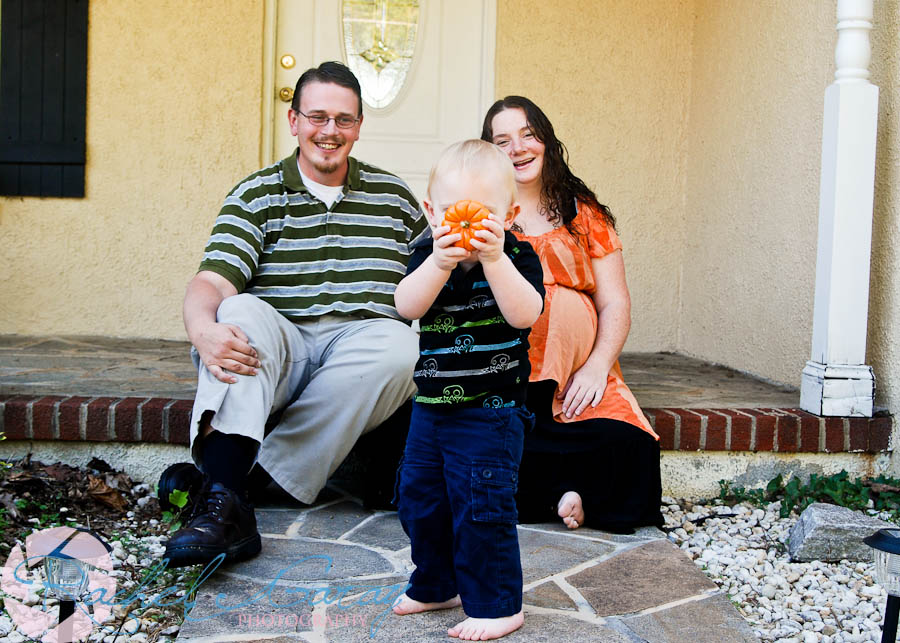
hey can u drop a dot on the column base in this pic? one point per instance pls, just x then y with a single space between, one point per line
837 389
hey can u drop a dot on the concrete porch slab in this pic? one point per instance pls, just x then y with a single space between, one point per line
104 366
95 366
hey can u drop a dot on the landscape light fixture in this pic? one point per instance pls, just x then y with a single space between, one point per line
886 543
67 580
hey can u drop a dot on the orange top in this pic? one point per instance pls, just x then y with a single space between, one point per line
563 336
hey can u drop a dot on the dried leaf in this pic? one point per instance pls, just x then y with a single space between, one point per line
30 480
99 465
878 487
119 481
9 503
59 472
21 476
102 492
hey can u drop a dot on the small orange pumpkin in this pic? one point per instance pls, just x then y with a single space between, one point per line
465 217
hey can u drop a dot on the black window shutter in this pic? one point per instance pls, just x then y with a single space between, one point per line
43 90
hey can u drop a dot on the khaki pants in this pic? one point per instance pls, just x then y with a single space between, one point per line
334 377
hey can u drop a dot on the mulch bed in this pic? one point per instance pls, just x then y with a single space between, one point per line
125 515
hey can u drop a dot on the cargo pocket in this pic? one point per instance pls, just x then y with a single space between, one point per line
494 492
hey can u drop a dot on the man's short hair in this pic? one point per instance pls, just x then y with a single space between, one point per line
328 72
474 156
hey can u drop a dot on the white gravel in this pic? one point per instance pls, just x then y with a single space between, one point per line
744 550
132 558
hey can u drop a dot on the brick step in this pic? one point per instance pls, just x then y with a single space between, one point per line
163 420
779 430
155 420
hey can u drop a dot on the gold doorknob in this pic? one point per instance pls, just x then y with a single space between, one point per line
286 94
287 61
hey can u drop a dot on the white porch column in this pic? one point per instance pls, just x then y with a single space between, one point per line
836 380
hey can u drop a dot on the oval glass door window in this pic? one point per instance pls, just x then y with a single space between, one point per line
379 42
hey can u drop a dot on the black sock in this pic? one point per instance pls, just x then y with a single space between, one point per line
227 459
258 480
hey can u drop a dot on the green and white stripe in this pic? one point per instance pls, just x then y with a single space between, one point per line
273 239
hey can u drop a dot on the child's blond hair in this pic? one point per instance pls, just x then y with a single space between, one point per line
474 156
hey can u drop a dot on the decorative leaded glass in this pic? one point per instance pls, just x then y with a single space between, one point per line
379 42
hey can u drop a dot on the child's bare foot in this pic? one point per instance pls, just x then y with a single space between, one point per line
570 509
482 629
407 605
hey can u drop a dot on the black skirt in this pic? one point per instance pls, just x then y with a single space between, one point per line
613 465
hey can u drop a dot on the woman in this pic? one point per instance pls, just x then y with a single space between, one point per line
592 457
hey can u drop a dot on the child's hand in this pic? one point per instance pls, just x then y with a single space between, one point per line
445 254
489 242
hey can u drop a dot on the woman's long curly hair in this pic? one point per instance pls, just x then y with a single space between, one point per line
559 187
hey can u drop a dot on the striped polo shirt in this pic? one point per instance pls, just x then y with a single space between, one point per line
468 354
275 240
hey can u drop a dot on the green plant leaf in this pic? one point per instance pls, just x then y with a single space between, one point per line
775 485
178 498
838 488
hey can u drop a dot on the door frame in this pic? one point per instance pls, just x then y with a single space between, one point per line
269 55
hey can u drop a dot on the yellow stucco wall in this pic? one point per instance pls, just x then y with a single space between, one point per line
173 118
883 348
614 79
751 211
751 216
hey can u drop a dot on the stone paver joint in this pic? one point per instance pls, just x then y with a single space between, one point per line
586 585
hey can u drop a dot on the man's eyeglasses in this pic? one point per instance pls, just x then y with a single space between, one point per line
321 120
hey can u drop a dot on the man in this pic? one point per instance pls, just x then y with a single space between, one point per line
292 312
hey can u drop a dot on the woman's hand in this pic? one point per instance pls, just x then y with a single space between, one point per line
585 386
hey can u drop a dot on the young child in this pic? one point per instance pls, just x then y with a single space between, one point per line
457 480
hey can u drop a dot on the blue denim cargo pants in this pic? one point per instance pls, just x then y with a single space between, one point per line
456 491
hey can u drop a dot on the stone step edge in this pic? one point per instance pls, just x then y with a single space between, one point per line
167 420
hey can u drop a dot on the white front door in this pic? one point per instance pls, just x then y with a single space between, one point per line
448 90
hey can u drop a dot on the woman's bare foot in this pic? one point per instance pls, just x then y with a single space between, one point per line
482 629
407 605
570 509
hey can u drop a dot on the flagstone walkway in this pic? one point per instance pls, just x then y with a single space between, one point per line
329 572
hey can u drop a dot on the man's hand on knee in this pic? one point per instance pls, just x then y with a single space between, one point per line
225 349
